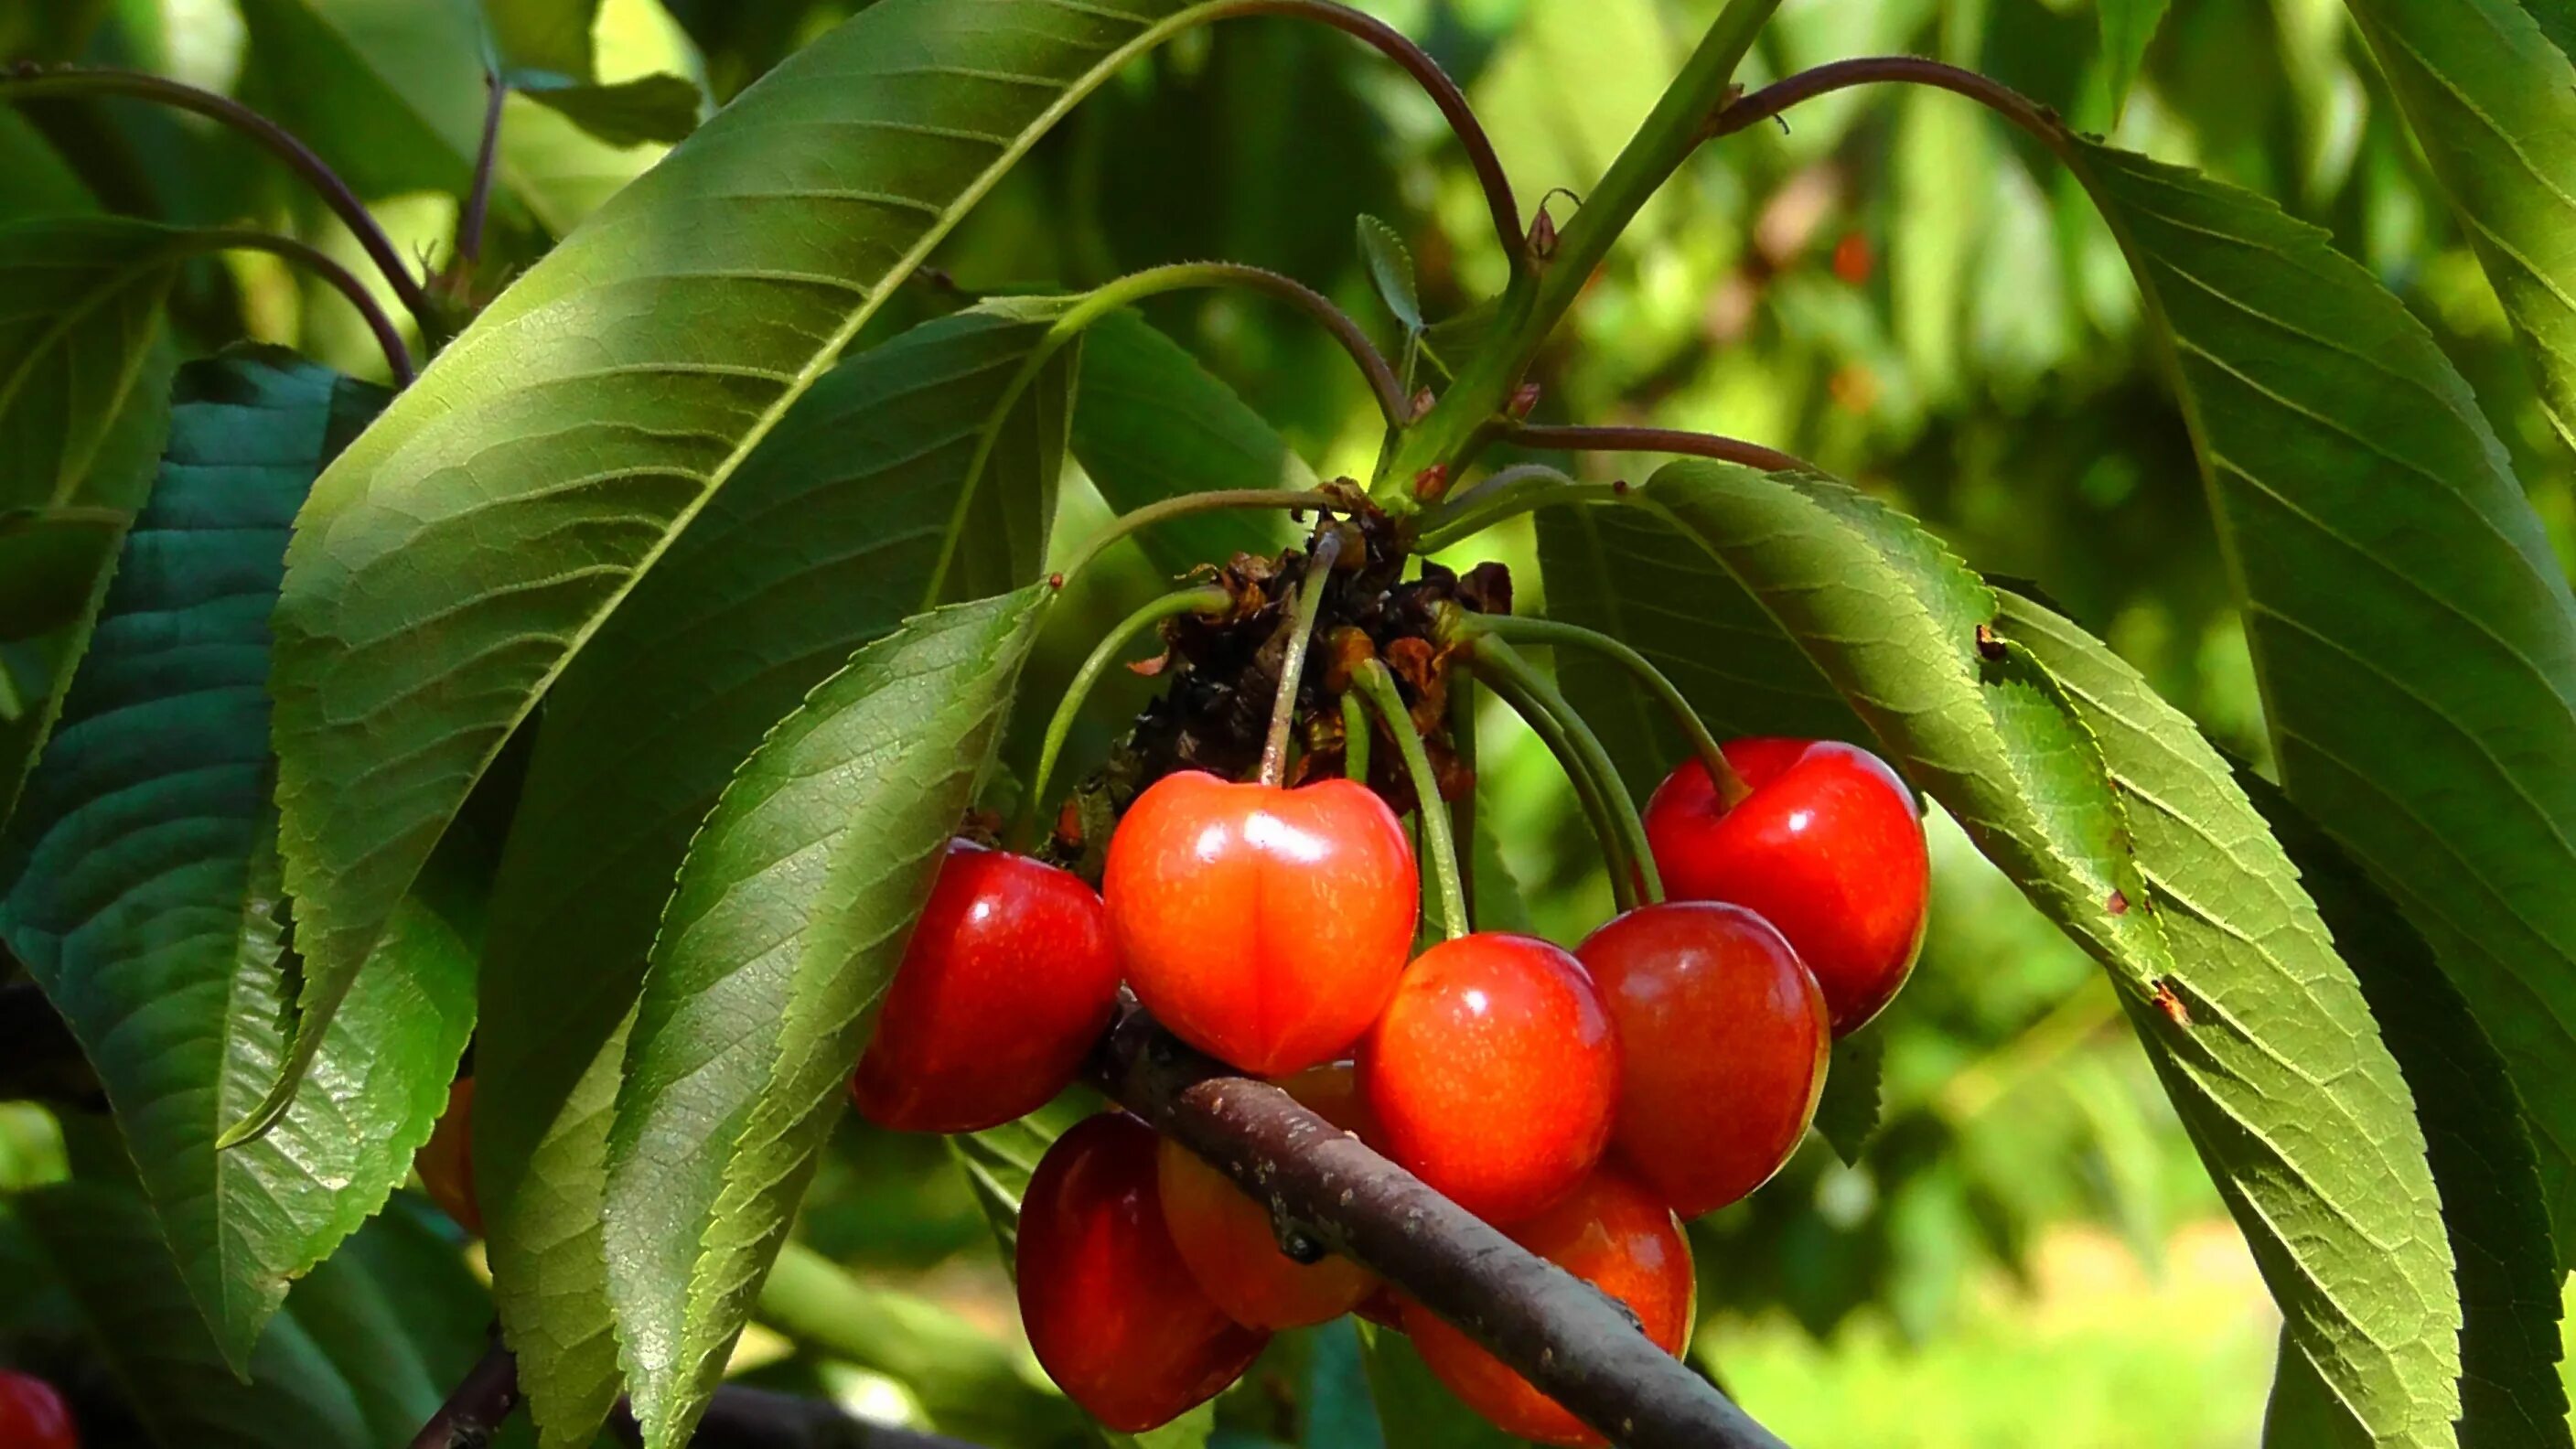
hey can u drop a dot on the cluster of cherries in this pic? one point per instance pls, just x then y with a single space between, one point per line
1579 1101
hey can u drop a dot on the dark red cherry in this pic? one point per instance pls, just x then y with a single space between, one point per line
32 1415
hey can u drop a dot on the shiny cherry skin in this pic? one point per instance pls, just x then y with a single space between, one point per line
1263 926
1111 1310
446 1162
1724 1036
32 1415
1226 1237
1613 1233
1493 1074
1828 847
1008 980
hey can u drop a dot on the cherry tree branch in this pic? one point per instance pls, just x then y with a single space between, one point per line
1751 110
1324 1187
1588 439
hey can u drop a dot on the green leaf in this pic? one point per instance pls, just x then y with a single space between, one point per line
2475 1137
554 451
563 171
791 911
2128 27
1847 1115
826 540
2493 103
1153 424
2280 1073
1416 1410
390 94
547 35
139 886
628 113
1390 269
999 1161
2413 635
1629 575
50 563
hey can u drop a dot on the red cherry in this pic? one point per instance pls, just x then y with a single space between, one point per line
1264 926
1494 1073
446 1163
1612 1233
1227 1240
1110 1308
1827 847
32 1415
1724 1036
1008 980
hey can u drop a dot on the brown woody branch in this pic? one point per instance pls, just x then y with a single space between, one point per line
1327 1190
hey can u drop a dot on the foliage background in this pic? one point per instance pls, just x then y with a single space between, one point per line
1895 288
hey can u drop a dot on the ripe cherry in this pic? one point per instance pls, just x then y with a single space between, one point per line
446 1163
32 1415
1827 847
1264 926
1493 1074
1613 1233
1227 1240
1724 1036
1112 1311
1008 980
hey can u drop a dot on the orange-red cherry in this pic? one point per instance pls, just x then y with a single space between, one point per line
1007 981
1613 1233
1227 1239
1493 1074
1263 926
1723 1036
446 1162
33 1415
1111 1310
1827 846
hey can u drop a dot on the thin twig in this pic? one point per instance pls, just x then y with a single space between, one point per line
397 356
1589 439
335 193
481 1402
1751 110
478 200
1566 1337
1301 636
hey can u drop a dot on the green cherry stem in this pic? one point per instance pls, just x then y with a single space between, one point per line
1508 493
1355 740
1521 629
1292 665
1207 599
1633 878
1188 504
1462 811
1377 683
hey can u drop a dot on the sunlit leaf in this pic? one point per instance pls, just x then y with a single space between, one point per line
627 113
139 886
791 911
2128 26
1847 1114
549 35
1390 269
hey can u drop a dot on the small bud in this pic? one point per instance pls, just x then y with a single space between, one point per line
1619 486
1524 398
1542 235
1431 482
1989 644
1422 402
2118 904
1055 581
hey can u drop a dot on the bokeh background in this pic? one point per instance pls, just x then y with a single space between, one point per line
1894 286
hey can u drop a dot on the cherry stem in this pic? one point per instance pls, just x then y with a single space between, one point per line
1355 740
1207 599
1193 503
1521 629
1506 493
1301 636
1751 110
1376 683
228 239
277 140
478 198
481 1402
1633 878
1566 1337
1591 439
1462 811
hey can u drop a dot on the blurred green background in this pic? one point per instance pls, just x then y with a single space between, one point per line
1894 287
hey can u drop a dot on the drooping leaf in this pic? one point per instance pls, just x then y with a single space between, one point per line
139 886
1632 577
791 911
2128 27
1390 268
826 540
552 453
562 169
1847 1114
2414 637
627 113
2493 102
2288 1085
1153 424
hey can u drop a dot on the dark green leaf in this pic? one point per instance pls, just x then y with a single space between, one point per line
828 537
999 1161
2411 629
2128 26
1152 424
1414 1409
139 885
791 911
2493 103
554 451
1390 268
391 95
2276 1065
1847 1114
51 560
629 113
